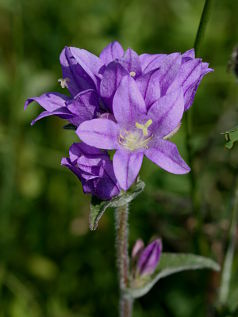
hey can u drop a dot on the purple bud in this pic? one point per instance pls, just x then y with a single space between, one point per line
149 258
137 249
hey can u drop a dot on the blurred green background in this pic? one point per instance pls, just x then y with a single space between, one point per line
51 265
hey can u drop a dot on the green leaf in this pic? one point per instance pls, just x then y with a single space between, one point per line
170 263
98 207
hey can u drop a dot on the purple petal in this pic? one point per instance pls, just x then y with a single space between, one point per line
110 81
91 61
167 112
107 115
106 189
111 52
67 162
86 156
165 154
169 70
137 248
131 62
189 95
49 101
189 77
149 86
111 181
190 91
63 113
84 106
128 103
101 133
126 167
149 258
188 74
186 56
81 68
151 62
78 149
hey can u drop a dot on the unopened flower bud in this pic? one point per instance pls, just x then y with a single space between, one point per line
149 258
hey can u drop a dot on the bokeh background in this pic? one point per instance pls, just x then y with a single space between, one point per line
51 265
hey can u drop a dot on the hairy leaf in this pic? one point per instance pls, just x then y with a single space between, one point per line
170 263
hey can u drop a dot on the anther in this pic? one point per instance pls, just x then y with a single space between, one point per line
132 74
64 82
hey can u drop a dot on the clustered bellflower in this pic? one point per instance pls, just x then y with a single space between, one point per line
125 102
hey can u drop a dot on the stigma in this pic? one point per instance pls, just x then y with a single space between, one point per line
64 82
144 127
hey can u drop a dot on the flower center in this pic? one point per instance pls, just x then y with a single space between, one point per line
137 138
132 74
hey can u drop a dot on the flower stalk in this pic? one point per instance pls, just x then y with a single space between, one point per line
188 115
126 302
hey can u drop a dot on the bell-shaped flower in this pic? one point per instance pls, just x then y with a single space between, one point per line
139 130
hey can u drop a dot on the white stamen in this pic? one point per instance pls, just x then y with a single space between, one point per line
64 82
132 74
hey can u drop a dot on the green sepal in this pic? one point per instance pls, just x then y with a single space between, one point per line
98 207
169 263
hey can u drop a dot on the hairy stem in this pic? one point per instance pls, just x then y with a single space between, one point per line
188 114
126 302
227 268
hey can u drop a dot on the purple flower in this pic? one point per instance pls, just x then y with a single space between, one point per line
140 128
92 81
148 258
94 169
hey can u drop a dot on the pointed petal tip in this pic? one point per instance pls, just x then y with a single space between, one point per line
27 102
126 166
187 169
63 161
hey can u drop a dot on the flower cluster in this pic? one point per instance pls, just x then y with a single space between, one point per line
125 102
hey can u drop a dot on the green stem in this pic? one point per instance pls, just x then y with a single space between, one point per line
188 114
202 24
126 302
227 268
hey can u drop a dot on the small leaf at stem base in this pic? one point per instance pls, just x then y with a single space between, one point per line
98 207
